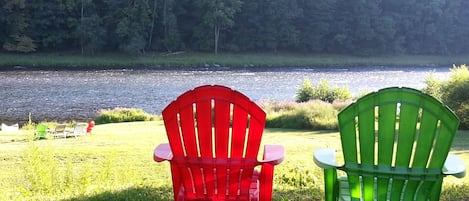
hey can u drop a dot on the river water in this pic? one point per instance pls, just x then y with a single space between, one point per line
79 95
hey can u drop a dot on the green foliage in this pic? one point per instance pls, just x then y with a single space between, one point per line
132 28
21 44
432 86
91 34
118 115
322 92
368 27
305 91
315 115
463 113
218 15
453 92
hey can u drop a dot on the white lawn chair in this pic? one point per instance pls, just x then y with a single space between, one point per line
78 130
12 128
59 131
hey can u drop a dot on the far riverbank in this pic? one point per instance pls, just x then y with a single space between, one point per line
74 61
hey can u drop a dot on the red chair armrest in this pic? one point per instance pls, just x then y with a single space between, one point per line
273 154
162 153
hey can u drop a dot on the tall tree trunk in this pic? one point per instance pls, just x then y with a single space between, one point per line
153 18
217 36
165 27
81 23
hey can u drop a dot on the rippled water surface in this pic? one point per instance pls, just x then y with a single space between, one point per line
61 95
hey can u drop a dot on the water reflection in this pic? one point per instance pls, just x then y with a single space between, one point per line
60 95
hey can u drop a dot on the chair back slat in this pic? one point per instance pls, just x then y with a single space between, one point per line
214 133
387 132
366 133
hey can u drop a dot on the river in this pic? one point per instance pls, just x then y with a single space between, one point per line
79 95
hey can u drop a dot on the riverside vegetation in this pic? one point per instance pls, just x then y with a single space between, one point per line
176 60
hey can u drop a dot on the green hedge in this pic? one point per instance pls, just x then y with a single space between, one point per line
118 115
323 91
314 114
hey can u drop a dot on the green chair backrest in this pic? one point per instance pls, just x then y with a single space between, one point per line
395 142
41 131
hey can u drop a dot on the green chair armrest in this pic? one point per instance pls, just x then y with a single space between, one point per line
454 166
325 158
162 153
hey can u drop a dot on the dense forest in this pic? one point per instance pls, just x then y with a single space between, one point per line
362 27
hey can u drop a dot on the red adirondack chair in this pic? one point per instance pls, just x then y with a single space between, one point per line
214 136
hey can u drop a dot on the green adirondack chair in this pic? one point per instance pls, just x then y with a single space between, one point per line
41 131
395 144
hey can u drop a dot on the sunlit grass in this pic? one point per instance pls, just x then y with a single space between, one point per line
115 163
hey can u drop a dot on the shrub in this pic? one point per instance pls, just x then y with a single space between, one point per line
433 86
305 91
322 92
463 113
118 115
315 114
453 92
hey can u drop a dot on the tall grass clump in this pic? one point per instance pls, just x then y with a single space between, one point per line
50 174
314 114
118 115
455 192
298 182
39 174
453 92
323 91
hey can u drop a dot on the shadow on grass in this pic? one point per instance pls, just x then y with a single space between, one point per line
300 131
165 194
137 194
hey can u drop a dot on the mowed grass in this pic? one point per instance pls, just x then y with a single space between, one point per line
115 163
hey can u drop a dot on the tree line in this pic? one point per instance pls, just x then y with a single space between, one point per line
362 27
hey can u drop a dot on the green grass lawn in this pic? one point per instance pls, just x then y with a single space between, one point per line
115 163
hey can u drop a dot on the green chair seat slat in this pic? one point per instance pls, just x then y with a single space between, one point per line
382 189
355 187
368 188
410 190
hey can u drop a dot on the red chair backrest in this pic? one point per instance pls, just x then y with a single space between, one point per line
90 126
214 133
